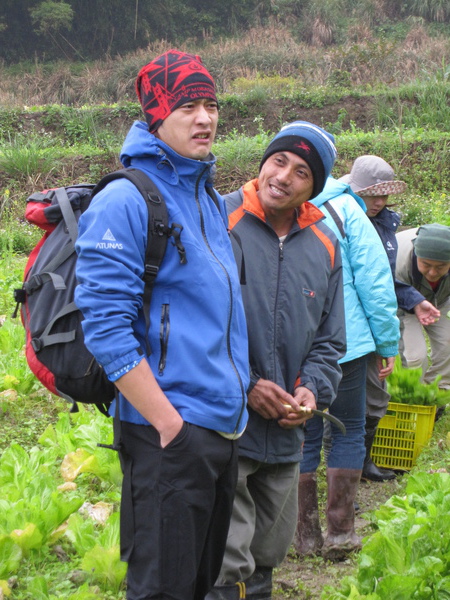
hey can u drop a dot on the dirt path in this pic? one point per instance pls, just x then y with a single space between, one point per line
304 579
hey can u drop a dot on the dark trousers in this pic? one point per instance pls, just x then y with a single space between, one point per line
175 511
347 451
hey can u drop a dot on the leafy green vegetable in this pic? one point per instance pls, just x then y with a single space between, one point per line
81 532
103 560
19 468
405 386
27 538
14 371
75 437
10 556
408 557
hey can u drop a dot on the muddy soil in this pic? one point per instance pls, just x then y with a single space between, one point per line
305 579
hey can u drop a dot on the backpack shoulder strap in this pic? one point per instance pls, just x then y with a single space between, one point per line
212 194
336 218
233 200
157 233
158 219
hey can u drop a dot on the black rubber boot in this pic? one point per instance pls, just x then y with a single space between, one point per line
259 585
227 592
370 470
440 411
308 537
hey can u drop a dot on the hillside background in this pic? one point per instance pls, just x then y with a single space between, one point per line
80 30
375 73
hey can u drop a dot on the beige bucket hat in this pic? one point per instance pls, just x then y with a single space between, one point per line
373 176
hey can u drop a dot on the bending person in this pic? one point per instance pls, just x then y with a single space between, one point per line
424 262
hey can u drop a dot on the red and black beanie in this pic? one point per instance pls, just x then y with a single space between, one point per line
170 80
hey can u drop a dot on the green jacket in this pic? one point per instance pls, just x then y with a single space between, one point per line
407 271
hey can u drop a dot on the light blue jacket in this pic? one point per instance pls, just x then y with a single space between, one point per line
369 295
198 333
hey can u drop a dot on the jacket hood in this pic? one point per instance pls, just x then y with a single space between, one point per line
140 144
334 188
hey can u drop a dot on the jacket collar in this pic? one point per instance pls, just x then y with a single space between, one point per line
387 218
416 274
140 146
307 213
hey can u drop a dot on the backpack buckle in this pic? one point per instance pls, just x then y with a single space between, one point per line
34 283
19 295
150 271
36 344
159 228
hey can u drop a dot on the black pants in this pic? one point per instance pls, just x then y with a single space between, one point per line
175 511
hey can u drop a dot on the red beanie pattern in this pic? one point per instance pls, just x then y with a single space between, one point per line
170 80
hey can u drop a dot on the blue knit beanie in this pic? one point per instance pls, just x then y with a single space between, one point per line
310 142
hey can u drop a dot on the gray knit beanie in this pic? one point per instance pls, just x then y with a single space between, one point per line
433 242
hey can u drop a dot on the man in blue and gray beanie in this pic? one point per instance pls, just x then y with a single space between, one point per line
293 299
311 143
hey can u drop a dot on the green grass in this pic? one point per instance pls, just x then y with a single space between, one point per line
22 157
420 156
418 104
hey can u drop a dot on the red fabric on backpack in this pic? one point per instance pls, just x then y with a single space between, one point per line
35 214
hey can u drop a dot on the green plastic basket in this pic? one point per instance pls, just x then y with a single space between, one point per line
401 435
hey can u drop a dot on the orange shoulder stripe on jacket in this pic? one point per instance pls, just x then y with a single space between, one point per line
235 217
326 242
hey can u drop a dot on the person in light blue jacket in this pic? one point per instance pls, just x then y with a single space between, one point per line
183 405
373 179
371 326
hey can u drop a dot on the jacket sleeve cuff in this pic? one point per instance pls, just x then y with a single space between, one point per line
407 296
118 367
417 300
254 378
387 351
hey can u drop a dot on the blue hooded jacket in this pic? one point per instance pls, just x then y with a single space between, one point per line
369 296
386 223
198 334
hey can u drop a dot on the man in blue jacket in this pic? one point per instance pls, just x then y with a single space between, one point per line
183 406
294 306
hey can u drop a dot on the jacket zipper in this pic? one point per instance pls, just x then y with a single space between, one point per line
280 260
164 329
230 292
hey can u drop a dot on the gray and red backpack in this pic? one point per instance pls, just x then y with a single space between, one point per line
55 348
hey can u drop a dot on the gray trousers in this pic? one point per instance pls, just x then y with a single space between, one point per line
377 397
413 346
263 520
